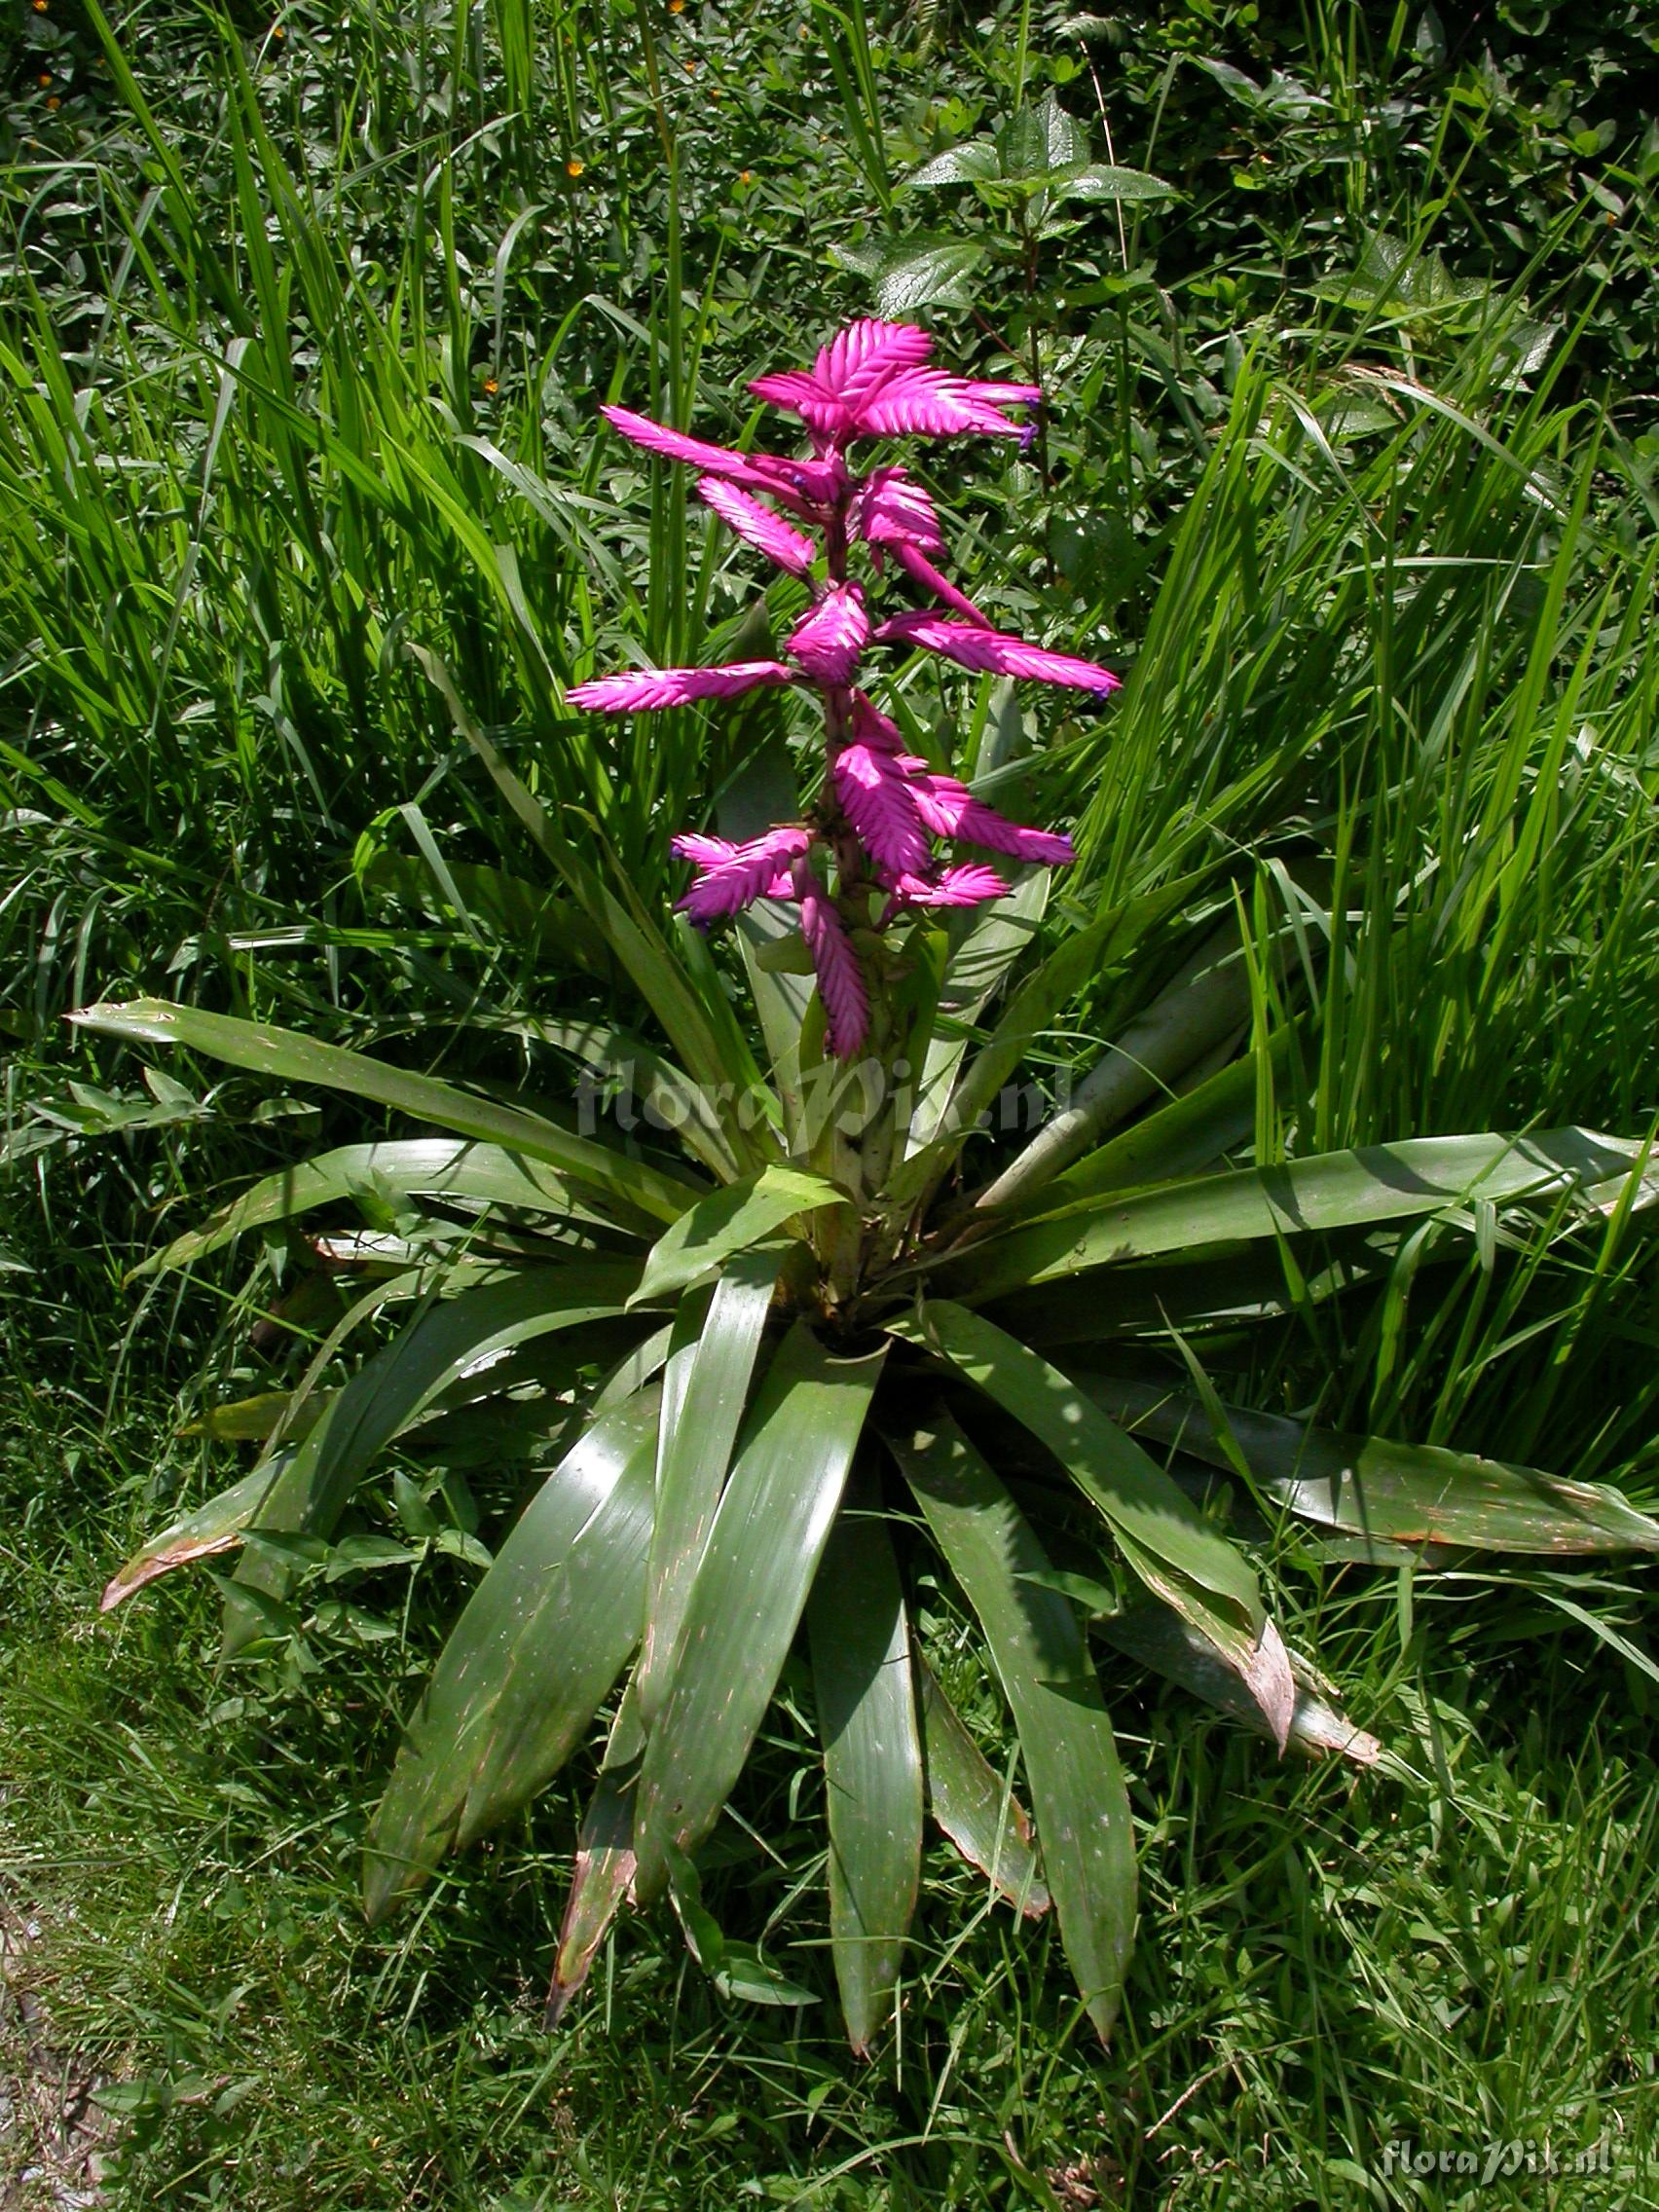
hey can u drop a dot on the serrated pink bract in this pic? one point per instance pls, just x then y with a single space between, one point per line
990 650
639 690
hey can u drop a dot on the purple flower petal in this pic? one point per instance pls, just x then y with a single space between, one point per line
638 689
877 799
969 885
976 649
933 404
1007 394
893 509
918 566
832 636
744 873
791 549
840 978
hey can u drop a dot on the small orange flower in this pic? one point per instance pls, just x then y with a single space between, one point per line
54 101
573 166
39 7
677 7
276 31
747 177
690 68
491 387
45 77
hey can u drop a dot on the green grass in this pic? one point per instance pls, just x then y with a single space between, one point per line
1327 1963
1385 609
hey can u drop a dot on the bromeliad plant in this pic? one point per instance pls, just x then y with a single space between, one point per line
769 1381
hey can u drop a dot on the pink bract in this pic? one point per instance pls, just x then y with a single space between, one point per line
951 810
791 548
929 403
829 641
971 647
840 978
921 569
637 691
969 885
746 872
891 510
877 798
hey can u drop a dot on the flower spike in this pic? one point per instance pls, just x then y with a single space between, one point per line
880 801
744 874
891 510
884 810
969 885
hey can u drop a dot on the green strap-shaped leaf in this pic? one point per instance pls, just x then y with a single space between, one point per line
211 1528
311 1490
729 1221
1176 1142
1160 1639
1337 1190
1181 1557
440 1167
1065 1736
751 1588
282 1056
531 1659
605 1859
972 1802
873 1765
1030 1009
709 1364
993 942
1403 1494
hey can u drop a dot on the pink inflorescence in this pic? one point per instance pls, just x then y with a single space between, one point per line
883 807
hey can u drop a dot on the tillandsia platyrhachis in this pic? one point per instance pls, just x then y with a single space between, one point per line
883 808
745 1402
